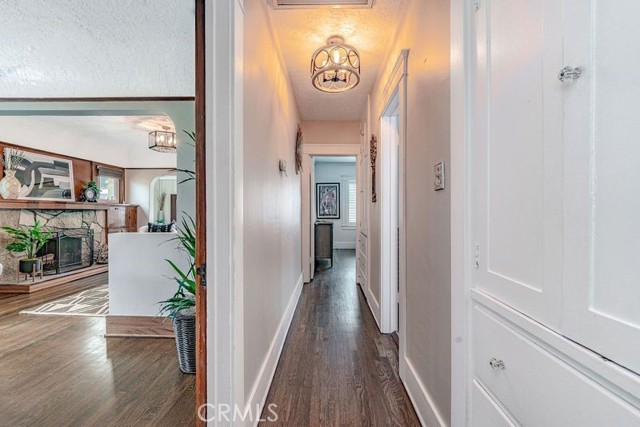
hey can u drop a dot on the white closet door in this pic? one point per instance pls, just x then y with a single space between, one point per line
517 155
602 218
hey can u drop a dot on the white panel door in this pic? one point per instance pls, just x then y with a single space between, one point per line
602 218
517 155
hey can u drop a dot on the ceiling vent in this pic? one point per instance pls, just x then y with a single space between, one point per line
316 4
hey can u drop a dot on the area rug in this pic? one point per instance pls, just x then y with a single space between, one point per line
92 302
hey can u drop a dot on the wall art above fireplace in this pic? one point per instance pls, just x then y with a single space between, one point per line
44 177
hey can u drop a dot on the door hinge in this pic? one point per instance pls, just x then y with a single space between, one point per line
476 5
202 272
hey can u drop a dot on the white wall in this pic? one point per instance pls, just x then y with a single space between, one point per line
425 31
271 202
330 132
135 288
138 190
344 236
61 48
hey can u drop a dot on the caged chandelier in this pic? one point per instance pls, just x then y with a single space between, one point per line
163 140
335 67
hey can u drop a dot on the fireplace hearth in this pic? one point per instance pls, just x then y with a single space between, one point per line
68 250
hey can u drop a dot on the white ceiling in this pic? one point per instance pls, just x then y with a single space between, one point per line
66 48
302 31
117 140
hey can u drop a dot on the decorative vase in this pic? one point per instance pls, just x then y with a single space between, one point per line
9 185
160 219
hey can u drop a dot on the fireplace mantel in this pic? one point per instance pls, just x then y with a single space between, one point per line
54 205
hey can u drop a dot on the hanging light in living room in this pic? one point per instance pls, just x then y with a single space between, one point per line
163 140
335 67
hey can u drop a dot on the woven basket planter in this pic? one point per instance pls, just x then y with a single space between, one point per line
184 325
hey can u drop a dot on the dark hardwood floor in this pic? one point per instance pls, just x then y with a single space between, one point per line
336 368
58 371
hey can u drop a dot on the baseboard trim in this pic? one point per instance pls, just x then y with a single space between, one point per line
138 327
422 401
374 305
261 386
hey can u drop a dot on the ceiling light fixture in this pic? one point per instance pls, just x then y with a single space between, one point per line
163 141
335 67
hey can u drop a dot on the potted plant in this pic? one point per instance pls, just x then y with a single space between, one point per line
181 306
28 240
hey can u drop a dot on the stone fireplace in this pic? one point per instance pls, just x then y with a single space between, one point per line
77 233
68 250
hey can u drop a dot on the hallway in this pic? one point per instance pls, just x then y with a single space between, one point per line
336 369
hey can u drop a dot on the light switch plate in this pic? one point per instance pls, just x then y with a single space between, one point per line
438 171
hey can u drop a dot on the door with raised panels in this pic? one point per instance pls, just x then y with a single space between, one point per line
602 179
517 155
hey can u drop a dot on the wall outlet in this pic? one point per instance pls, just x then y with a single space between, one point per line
438 179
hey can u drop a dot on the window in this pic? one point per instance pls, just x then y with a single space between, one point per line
109 189
350 200
109 180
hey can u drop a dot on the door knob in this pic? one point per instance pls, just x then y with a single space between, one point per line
569 73
496 364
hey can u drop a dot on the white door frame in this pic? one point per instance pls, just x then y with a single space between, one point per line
224 21
462 19
308 151
392 205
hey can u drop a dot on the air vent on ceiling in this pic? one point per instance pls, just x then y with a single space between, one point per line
311 4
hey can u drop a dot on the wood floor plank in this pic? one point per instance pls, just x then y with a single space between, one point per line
61 371
336 369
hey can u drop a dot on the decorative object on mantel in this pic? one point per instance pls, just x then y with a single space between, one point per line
162 199
44 177
28 241
328 201
298 150
9 185
90 192
335 67
163 141
373 147
181 306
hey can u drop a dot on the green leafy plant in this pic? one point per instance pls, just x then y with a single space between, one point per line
191 175
27 240
91 184
12 159
184 298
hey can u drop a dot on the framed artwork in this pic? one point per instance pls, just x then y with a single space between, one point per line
328 201
44 177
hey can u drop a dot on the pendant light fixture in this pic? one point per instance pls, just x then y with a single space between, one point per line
335 67
163 140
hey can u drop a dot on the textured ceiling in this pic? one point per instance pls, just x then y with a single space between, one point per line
117 140
302 31
72 48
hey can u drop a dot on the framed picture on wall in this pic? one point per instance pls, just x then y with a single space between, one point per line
44 177
328 200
